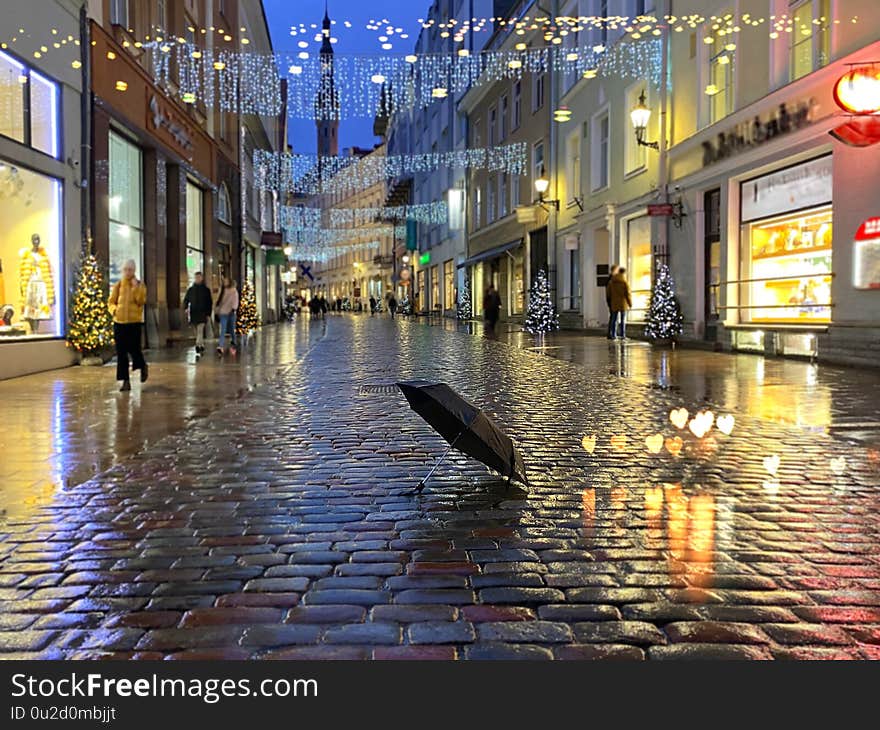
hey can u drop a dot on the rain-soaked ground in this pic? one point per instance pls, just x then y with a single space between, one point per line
282 524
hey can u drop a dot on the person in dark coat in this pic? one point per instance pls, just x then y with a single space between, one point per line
614 270
372 305
621 301
491 307
392 305
198 304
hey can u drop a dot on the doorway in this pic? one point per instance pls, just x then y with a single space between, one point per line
712 259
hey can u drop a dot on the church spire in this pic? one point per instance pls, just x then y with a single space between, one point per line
326 46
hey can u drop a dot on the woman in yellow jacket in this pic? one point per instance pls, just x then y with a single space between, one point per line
127 300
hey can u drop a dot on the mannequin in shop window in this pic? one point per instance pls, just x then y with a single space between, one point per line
36 285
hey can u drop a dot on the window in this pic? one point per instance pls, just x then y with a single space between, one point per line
493 121
119 12
28 106
490 200
162 14
477 212
224 205
599 156
573 168
517 105
537 160
809 45
195 231
638 265
30 249
502 133
502 194
518 279
478 137
719 90
449 284
515 182
435 288
635 157
574 279
537 91
125 205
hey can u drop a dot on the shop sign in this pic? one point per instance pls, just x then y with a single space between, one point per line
164 120
751 134
271 239
425 258
660 209
794 188
572 242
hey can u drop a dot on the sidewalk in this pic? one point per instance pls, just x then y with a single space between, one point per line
64 426
820 398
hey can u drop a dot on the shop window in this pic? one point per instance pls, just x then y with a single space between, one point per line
518 278
31 284
435 287
195 231
449 284
789 260
125 205
28 95
638 265
809 37
786 239
572 301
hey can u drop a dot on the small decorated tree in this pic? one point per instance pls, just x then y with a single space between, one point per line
664 320
465 309
541 316
90 328
248 319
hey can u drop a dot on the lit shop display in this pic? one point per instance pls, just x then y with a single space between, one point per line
866 264
31 290
638 265
786 273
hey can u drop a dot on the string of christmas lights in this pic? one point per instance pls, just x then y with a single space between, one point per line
249 82
303 218
311 175
322 254
328 237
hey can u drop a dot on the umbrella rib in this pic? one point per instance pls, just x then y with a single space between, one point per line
440 460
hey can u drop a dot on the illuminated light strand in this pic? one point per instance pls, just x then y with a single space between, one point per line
330 237
312 175
250 83
310 252
303 218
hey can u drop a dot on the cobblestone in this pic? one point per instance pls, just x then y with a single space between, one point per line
288 529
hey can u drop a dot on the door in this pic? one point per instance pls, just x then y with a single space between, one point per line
712 259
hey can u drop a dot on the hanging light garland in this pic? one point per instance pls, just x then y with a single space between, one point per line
305 218
311 174
317 253
329 237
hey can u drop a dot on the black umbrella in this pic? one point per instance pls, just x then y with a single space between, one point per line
465 427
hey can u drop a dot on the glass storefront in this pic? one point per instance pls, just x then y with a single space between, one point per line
28 106
449 284
435 288
125 206
421 290
195 231
518 281
638 265
31 268
786 245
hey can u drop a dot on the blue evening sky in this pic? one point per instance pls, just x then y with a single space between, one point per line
282 14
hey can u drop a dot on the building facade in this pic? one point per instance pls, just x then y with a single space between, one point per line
41 181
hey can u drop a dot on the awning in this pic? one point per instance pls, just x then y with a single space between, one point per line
490 253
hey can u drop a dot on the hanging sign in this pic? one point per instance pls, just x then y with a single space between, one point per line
792 188
660 209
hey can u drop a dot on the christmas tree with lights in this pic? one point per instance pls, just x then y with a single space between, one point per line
90 329
465 308
541 316
248 319
664 320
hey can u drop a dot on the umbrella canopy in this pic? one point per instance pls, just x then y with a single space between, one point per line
464 426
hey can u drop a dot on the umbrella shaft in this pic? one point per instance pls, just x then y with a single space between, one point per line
440 460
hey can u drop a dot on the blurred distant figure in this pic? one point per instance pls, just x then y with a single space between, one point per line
491 307
392 305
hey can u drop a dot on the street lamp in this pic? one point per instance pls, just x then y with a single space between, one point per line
542 184
640 116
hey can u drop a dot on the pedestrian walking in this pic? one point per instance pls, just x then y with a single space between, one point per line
372 305
322 306
491 307
392 305
227 306
621 301
198 304
614 270
127 299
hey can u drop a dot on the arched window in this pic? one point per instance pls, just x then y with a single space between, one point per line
224 205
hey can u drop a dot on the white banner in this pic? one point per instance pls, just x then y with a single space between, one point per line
800 186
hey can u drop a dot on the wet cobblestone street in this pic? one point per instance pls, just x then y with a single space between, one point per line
282 525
